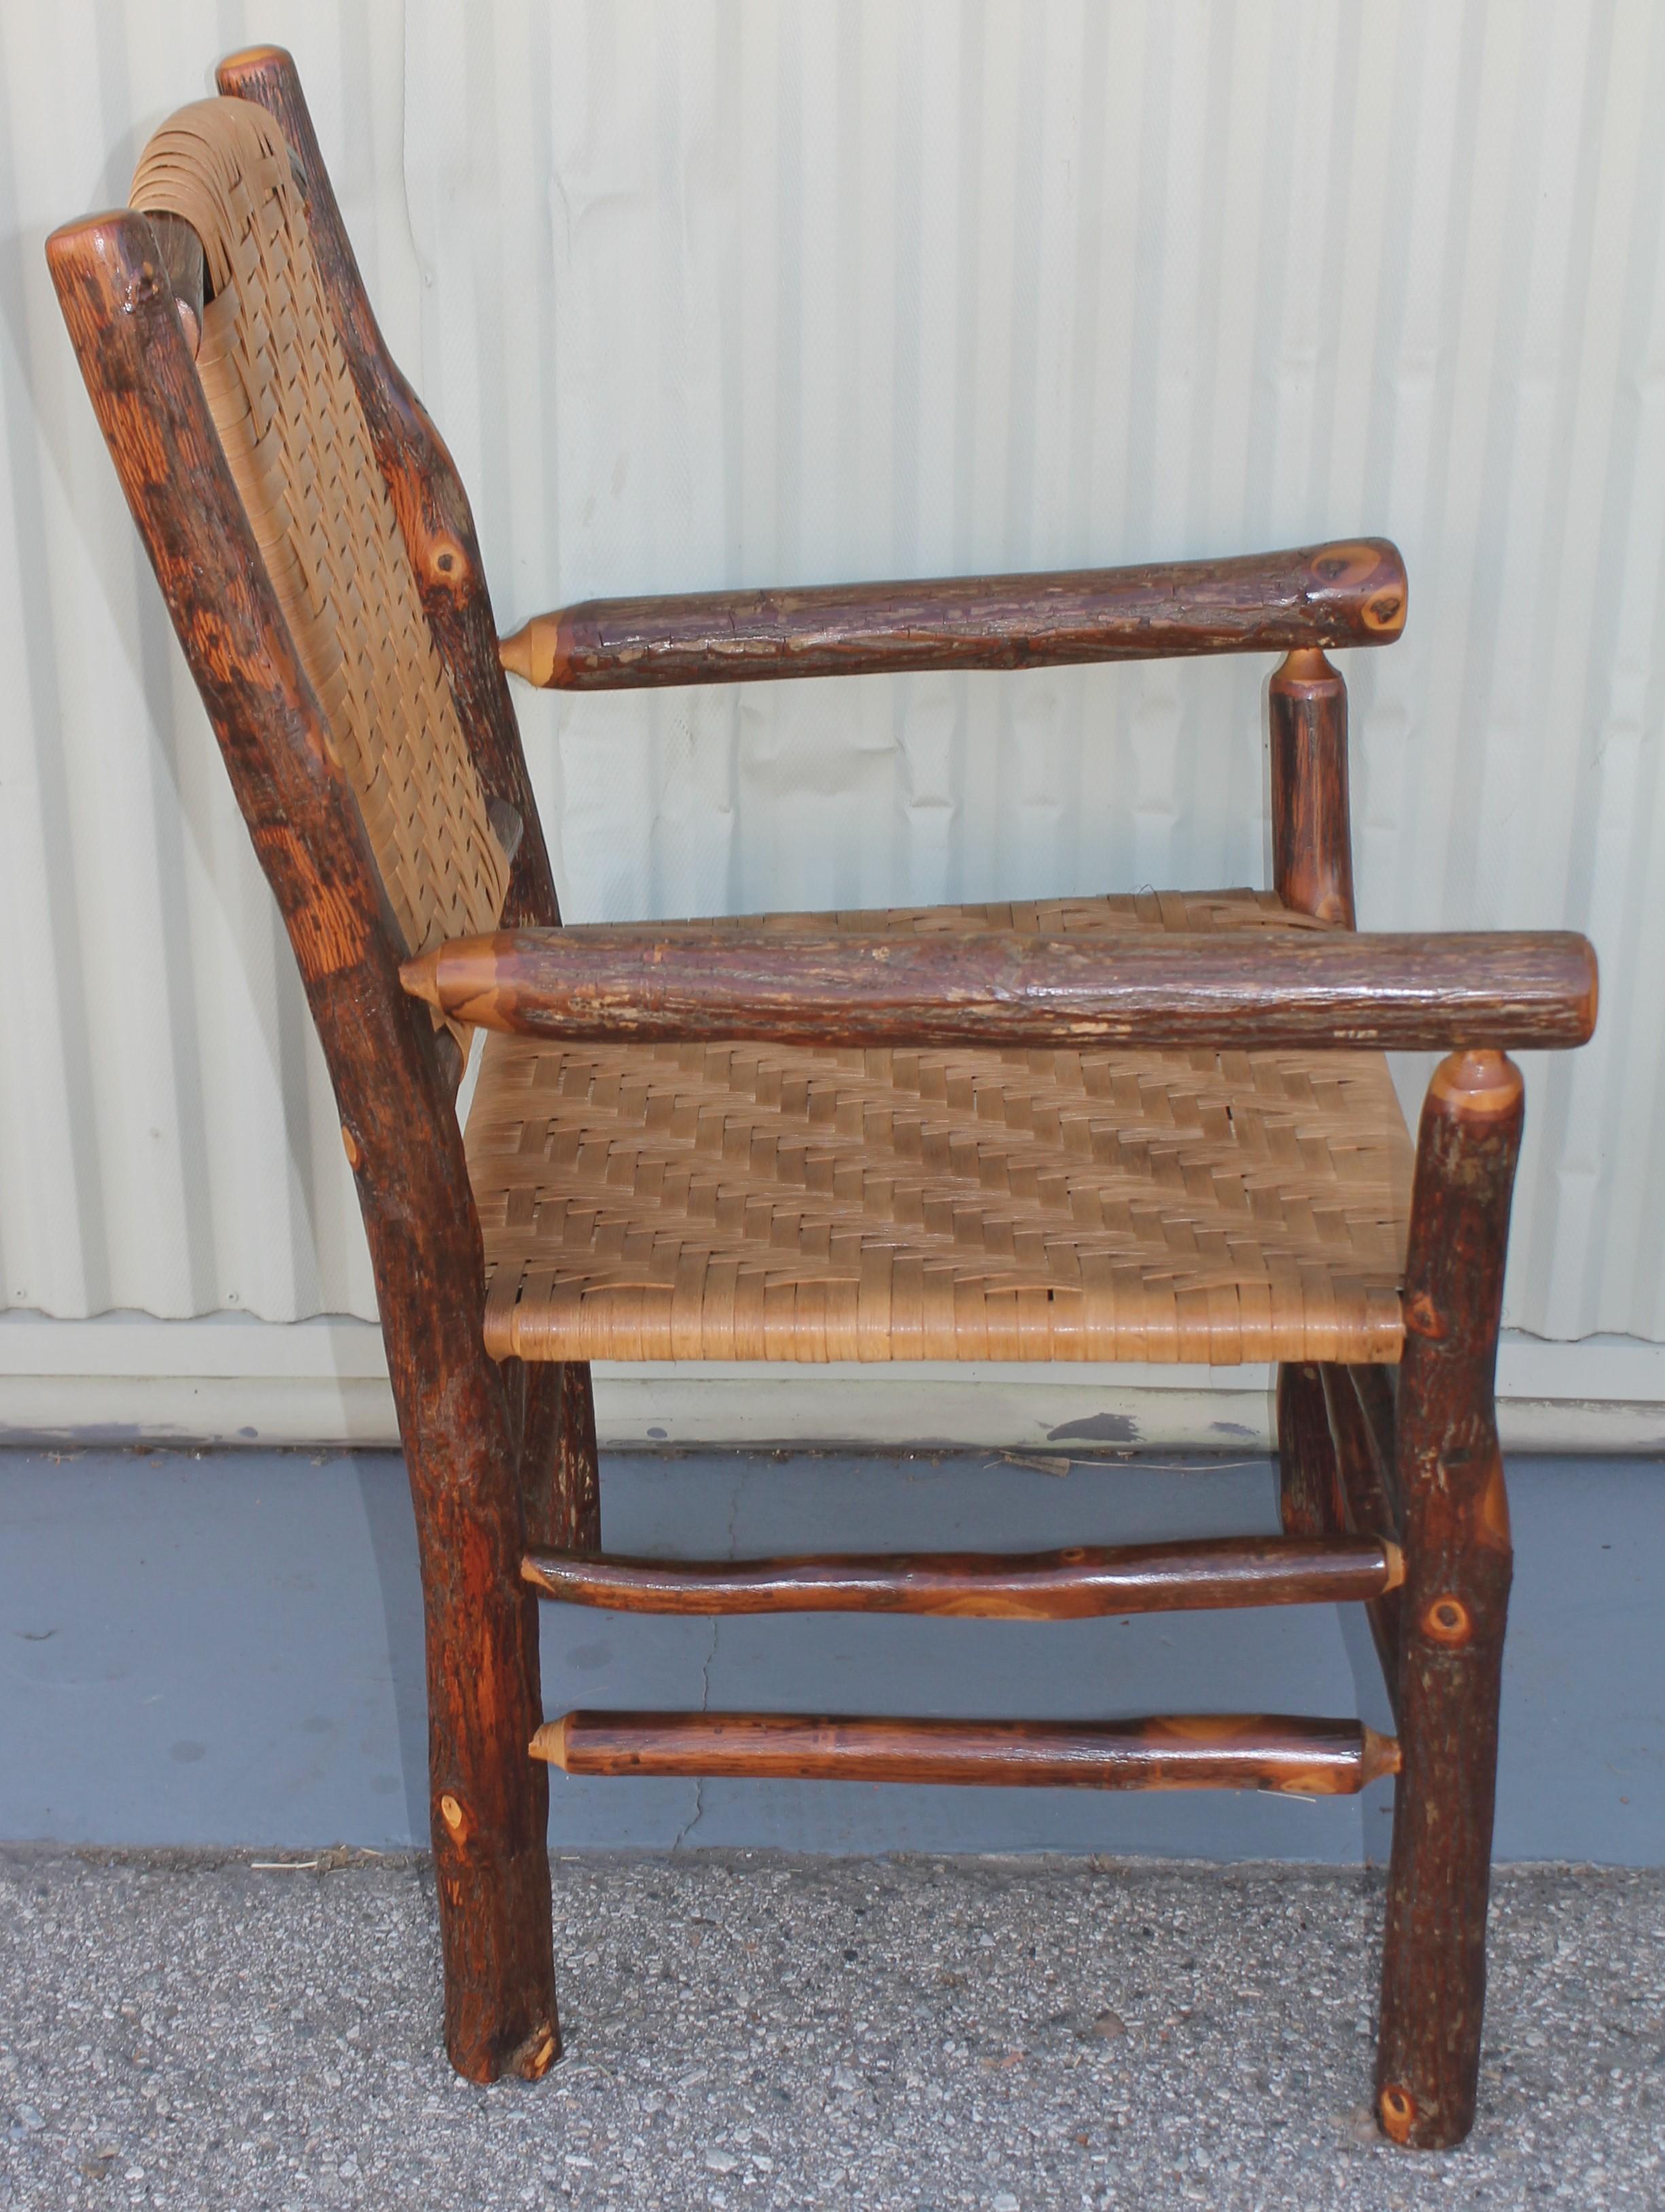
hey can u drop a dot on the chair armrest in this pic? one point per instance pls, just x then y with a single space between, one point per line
1344 594
999 988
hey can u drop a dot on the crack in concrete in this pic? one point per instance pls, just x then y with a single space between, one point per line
698 1814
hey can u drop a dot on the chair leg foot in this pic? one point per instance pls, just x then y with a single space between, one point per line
489 1816
1433 1970
500 2010
523 1477
489 1799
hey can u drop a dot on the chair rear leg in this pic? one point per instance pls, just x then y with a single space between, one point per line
560 1480
1308 1504
1458 1562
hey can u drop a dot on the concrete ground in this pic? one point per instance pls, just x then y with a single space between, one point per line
762 2031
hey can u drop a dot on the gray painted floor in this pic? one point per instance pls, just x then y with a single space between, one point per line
886 2037
226 1651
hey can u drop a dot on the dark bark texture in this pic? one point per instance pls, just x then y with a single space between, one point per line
1307 1501
1313 596
1206 1751
1076 1585
1453 1605
1311 827
1259 989
1362 1424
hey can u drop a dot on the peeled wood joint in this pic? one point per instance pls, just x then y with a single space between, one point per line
1072 1585
1297 1757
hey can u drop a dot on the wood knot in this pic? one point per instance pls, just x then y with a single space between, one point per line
1396 2108
1385 611
447 562
451 1813
140 290
1448 1620
1349 563
1422 1317
350 1145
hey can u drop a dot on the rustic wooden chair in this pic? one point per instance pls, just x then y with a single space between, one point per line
1156 1128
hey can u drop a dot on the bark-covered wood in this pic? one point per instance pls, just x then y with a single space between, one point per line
1259 988
438 526
1208 1751
1311 826
1360 1405
1452 1604
489 1807
1350 594
1376 1390
1307 1499
562 1499
1074 1585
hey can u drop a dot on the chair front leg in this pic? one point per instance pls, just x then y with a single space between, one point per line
1458 1562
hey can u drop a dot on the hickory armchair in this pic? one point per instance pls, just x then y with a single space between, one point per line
1154 1127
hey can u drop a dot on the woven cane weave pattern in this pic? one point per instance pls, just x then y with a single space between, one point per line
282 398
761 1202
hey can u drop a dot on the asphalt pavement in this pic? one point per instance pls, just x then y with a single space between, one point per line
757 2031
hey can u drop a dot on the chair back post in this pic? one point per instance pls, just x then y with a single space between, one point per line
427 494
489 1805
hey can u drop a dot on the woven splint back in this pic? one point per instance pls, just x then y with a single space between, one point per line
282 398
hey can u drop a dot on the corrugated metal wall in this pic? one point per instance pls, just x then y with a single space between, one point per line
710 292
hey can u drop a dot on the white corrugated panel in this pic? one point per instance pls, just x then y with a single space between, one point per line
710 292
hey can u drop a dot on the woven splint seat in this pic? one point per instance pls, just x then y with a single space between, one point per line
773 1202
